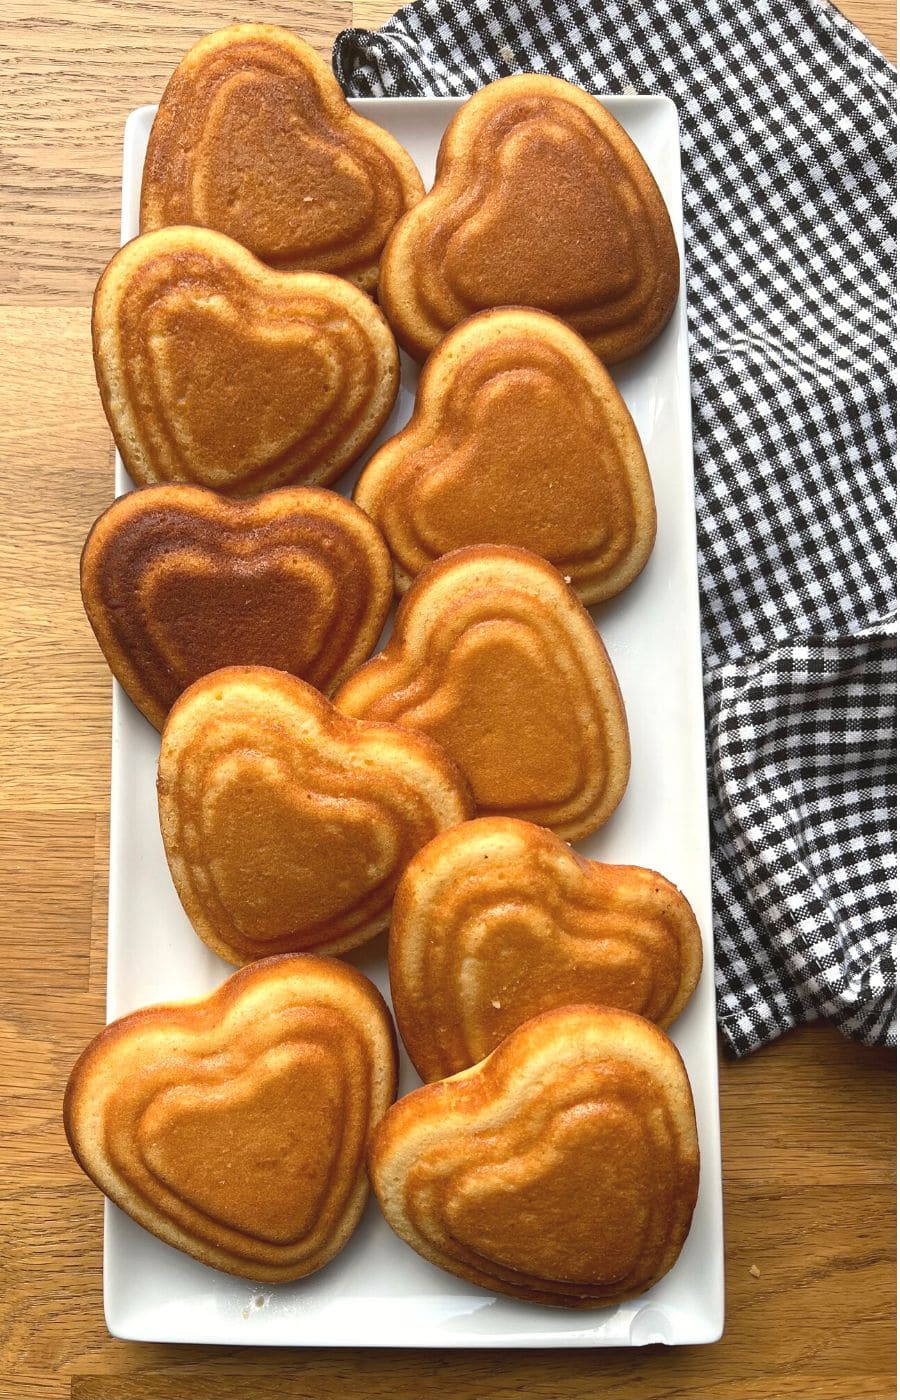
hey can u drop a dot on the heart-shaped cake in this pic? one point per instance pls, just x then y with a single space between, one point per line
563 1169
519 436
540 199
498 920
255 138
235 1127
219 371
286 824
178 582
493 655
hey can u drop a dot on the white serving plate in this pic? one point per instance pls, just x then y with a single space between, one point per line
378 1292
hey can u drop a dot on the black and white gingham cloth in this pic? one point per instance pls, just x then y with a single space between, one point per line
787 143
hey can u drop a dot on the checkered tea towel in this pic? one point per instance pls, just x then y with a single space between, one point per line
787 141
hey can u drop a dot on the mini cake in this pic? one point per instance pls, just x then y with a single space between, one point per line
178 582
216 370
286 825
498 920
563 1169
519 436
235 1127
540 199
494 657
254 138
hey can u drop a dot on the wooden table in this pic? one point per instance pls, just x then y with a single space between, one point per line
807 1124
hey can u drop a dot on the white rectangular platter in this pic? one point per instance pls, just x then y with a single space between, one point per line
378 1292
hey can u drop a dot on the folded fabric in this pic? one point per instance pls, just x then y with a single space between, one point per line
787 118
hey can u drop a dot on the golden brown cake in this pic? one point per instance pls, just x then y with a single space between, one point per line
563 1169
499 920
286 825
519 436
493 655
178 582
216 370
540 199
255 138
235 1127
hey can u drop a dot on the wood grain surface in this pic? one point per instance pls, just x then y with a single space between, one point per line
808 1124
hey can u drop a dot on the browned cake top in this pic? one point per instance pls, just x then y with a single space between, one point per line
540 199
235 1127
563 1169
216 370
178 582
255 138
286 825
519 436
499 920
493 655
